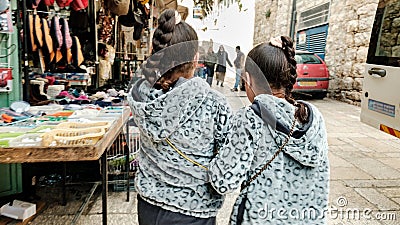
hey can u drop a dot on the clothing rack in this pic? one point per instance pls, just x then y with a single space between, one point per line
34 11
62 13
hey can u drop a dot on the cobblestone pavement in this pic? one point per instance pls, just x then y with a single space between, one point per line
364 186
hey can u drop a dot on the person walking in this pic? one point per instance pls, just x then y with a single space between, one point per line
221 65
277 149
200 71
182 123
210 61
239 65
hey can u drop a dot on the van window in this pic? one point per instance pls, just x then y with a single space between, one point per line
384 47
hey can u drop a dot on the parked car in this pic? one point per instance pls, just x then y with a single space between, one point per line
312 74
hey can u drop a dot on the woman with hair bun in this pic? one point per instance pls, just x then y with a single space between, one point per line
277 149
183 123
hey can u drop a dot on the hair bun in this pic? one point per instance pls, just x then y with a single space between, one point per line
163 34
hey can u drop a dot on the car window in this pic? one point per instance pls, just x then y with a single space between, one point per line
307 59
384 47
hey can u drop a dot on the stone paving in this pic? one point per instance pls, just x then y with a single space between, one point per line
364 180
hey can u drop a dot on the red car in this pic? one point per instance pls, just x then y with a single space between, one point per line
312 75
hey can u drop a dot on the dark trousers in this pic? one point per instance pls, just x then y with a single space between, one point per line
210 74
149 214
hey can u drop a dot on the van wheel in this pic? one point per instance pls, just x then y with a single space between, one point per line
319 95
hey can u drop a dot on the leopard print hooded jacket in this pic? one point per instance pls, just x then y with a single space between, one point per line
295 185
195 118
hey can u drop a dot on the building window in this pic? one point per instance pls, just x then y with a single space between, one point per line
315 16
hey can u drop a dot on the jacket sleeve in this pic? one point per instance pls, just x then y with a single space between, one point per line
228 169
222 123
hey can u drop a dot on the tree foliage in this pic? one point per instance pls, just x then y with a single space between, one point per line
208 5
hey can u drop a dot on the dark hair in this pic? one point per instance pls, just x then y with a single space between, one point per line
173 59
238 47
278 66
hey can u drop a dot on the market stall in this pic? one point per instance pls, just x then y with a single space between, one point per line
82 45
87 134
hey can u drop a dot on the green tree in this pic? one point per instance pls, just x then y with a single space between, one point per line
208 5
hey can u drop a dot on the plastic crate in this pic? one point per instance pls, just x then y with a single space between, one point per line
120 185
117 154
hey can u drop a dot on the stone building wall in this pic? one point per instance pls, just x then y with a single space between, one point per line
350 25
271 18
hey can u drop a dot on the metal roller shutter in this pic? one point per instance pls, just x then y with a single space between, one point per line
315 40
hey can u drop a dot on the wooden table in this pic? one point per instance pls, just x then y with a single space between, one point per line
72 154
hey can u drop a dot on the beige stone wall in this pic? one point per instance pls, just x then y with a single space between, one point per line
277 23
350 24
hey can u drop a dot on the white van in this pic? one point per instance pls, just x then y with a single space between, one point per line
380 104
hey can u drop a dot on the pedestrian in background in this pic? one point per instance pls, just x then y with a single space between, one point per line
210 61
277 149
239 65
221 65
200 70
181 126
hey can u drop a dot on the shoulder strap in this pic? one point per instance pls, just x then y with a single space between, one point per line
184 155
247 183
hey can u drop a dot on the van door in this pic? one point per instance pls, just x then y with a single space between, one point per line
381 88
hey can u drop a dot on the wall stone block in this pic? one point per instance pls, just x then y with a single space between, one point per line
346 83
358 70
362 39
358 84
351 54
367 9
347 67
365 24
362 53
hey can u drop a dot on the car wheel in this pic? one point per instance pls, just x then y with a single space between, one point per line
319 95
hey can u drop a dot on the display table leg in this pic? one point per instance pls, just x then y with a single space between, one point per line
64 184
104 185
127 163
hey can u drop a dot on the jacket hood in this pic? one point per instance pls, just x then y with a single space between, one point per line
308 143
160 116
